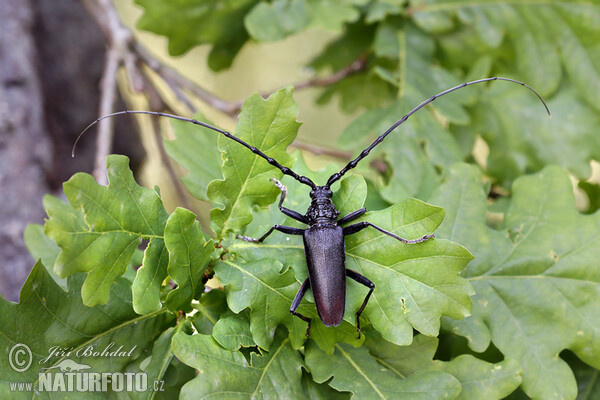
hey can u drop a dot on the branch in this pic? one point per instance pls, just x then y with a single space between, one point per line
124 50
105 132
357 66
318 150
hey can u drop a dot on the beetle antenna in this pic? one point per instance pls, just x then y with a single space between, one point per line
333 178
270 160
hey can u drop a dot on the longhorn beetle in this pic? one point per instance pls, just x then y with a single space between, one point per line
324 245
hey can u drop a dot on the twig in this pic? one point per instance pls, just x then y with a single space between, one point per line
156 103
357 66
164 157
105 132
124 50
318 150
175 79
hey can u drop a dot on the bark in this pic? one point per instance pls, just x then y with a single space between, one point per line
51 61
24 146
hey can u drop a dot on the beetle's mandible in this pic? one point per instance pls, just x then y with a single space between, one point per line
324 246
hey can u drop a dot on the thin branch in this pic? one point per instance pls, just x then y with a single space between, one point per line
124 50
164 157
156 103
175 79
318 150
357 66
105 132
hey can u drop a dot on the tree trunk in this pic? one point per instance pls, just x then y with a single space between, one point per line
51 61
24 147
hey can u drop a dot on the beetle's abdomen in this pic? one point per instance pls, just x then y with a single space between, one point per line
326 262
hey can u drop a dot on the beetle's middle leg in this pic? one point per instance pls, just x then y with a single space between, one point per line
281 228
349 230
352 216
296 304
363 281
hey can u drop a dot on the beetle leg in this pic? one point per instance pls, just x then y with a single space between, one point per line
290 213
349 230
296 303
352 216
363 281
285 229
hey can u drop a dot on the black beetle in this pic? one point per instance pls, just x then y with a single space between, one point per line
324 246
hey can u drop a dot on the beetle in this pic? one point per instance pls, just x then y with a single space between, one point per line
324 245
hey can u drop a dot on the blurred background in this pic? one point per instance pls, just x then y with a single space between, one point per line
65 62
52 58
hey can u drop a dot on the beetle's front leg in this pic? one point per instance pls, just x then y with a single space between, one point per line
349 230
290 213
285 229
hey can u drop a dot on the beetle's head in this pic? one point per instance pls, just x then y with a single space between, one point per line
321 192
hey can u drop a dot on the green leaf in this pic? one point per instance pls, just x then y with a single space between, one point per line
479 379
545 37
421 279
276 20
254 276
483 380
537 280
48 318
105 225
195 149
269 125
189 255
380 9
318 391
149 278
522 138
160 363
233 332
187 24
343 51
268 291
276 374
43 248
356 371
333 14
210 308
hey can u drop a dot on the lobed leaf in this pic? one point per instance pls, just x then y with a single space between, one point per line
100 231
479 379
48 318
189 254
537 281
188 24
149 278
356 371
423 280
269 125
522 138
195 149
276 374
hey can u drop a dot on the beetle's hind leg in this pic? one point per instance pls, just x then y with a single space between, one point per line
296 304
363 281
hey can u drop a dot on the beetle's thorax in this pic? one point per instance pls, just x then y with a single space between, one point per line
321 210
